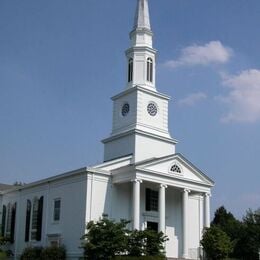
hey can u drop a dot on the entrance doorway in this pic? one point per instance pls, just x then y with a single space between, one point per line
152 225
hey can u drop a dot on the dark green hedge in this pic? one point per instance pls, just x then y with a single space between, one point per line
48 253
32 253
139 258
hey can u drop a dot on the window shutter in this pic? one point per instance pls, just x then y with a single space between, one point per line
147 199
13 217
27 221
3 221
39 220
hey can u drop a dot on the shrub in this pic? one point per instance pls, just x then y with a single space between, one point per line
139 258
146 243
53 253
3 256
32 253
107 239
48 253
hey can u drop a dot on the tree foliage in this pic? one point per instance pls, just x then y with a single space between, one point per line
216 243
47 253
244 235
106 239
249 241
4 253
146 243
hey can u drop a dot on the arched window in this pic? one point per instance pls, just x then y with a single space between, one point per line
175 168
13 217
39 220
34 218
149 70
27 220
3 221
8 222
130 70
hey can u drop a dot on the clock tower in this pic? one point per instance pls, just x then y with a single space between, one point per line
140 112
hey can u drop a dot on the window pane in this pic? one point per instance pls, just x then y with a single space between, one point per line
130 70
34 219
3 220
151 200
8 223
56 212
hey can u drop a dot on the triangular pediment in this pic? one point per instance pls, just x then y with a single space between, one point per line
177 166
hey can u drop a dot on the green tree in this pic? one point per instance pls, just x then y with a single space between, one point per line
135 243
154 243
146 243
249 241
227 222
105 239
231 226
216 243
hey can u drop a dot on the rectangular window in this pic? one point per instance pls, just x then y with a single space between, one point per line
56 210
151 203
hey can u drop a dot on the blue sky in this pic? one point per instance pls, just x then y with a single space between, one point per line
62 60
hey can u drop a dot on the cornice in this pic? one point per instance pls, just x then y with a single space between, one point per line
140 49
137 131
141 89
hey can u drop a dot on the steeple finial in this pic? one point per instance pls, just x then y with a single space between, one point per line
142 19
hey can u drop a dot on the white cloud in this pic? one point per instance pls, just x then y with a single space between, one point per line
211 53
192 99
243 98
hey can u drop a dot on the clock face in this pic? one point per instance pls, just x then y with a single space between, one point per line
125 109
152 109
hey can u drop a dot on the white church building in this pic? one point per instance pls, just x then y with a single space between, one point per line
142 179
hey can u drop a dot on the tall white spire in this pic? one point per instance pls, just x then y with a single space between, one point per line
141 54
142 19
142 35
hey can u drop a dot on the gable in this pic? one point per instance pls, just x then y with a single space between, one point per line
178 167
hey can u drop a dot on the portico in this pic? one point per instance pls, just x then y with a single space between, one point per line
178 192
162 210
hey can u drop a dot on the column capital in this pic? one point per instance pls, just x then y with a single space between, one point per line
162 185
136 180
207 194
185 190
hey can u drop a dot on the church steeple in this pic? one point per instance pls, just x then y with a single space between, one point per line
141 55
140 113
142 19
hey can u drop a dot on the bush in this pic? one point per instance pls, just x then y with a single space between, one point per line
53 253
48 253
32 253
3 256
107 239
139 258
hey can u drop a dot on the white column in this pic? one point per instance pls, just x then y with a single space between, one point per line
207 210
162 207
185 197
136 203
